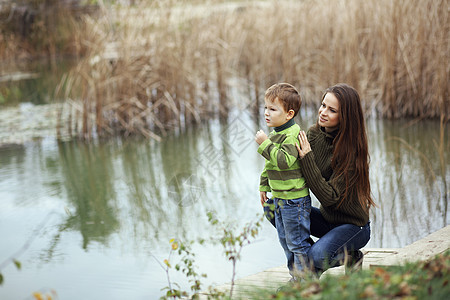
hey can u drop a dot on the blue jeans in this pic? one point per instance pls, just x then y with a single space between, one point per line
334 241
292 223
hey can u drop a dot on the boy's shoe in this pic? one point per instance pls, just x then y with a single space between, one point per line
354 262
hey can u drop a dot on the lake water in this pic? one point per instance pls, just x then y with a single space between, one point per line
93 221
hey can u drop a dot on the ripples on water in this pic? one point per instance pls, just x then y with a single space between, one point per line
98 215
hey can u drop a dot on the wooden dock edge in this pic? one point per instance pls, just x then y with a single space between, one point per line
424 249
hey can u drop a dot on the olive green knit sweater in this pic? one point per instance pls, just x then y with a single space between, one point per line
318 173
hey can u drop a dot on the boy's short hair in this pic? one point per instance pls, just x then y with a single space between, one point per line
287 94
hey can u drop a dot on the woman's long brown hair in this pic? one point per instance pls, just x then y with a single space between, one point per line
351 154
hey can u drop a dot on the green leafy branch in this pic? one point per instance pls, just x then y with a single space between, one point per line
233 243
186 265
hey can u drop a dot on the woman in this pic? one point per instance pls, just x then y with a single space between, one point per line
335 164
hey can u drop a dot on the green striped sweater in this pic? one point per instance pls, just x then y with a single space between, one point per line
282 175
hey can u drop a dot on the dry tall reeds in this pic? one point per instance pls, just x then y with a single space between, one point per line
35 28
156 67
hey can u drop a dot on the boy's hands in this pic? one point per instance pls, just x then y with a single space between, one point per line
263 196
260 137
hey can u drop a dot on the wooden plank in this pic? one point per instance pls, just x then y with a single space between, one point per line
278 276
423 249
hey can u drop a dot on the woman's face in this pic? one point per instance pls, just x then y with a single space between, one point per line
329 113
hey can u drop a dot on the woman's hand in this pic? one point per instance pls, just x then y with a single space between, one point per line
305 147
260 137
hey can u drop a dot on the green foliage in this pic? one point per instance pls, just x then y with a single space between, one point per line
186 265
18 264
421 280
233 242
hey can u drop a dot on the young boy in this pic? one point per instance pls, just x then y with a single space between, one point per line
282 176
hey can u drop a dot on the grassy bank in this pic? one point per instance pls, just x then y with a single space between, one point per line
422 280
160 65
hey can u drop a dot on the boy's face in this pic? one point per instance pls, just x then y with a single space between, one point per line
275 114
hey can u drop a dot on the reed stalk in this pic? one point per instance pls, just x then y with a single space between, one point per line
440 147
163 65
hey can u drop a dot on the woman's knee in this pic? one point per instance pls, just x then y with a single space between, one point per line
318 257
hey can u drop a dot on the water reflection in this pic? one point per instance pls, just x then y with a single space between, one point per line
407 181
88 178
122 200
11 155
42 77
